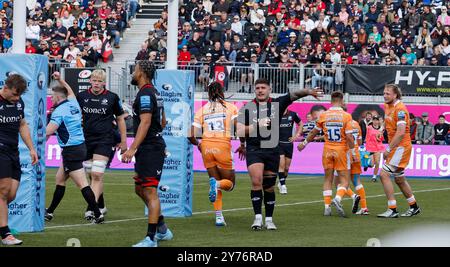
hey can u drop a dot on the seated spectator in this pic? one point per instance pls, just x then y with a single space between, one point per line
412 127
71 50
440 131
29 48
411 58
7 43
425 131
89 55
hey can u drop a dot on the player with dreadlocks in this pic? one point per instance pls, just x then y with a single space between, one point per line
215 123
148 148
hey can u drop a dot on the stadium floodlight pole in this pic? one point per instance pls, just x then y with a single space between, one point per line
19 26
172 35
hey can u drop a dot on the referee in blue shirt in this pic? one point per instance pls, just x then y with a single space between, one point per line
66 122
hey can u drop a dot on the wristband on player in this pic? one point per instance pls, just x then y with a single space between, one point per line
305 142
388 149
353 152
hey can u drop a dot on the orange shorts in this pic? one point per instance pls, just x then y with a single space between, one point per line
337 159
399 157
216 154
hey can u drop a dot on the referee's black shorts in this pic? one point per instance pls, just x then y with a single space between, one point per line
286 149
73 157
149 164
9 164
269 157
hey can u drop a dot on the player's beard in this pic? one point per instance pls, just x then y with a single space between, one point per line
134 81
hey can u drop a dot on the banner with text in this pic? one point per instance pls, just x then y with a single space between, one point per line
78 78
362 79
26 212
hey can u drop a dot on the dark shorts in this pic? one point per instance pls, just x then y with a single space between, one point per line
269 157
73 157
99 149
149 165
286 149
10 164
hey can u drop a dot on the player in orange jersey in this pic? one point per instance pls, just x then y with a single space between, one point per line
398 152
215 123
355 172
336 126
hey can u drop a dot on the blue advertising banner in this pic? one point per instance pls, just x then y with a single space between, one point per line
26 212
175 189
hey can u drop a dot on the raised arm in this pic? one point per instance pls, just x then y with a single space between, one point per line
57 76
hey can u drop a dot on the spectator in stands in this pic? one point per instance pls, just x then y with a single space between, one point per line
440 131
60 32
412 127
411 58
425 131
88 54
56 52
104 10
96 44
72 31
71 50
7 43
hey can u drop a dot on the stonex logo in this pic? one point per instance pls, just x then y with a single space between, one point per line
442 76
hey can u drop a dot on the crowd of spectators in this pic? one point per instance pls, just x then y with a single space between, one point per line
319 33
79 32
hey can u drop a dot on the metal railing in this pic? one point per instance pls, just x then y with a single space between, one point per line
239 77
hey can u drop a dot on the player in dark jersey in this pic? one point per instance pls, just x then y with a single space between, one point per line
66 122
99 108
12 122
287 138
258 122
148 148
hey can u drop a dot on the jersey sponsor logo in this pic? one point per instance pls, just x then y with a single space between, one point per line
101 111
74 110
145 102
286 125
401 115
10 119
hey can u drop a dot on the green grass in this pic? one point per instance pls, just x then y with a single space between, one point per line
298 216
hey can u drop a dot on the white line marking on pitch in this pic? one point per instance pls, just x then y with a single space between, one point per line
195 184
238 209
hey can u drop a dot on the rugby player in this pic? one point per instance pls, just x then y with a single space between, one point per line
258 122
215 123
100 107
66 122
397 153
12 123
336 126
148 148
286 145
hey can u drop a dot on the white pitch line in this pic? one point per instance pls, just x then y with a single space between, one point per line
195 184
238 209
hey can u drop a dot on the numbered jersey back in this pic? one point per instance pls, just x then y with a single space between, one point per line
335 123
216 121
